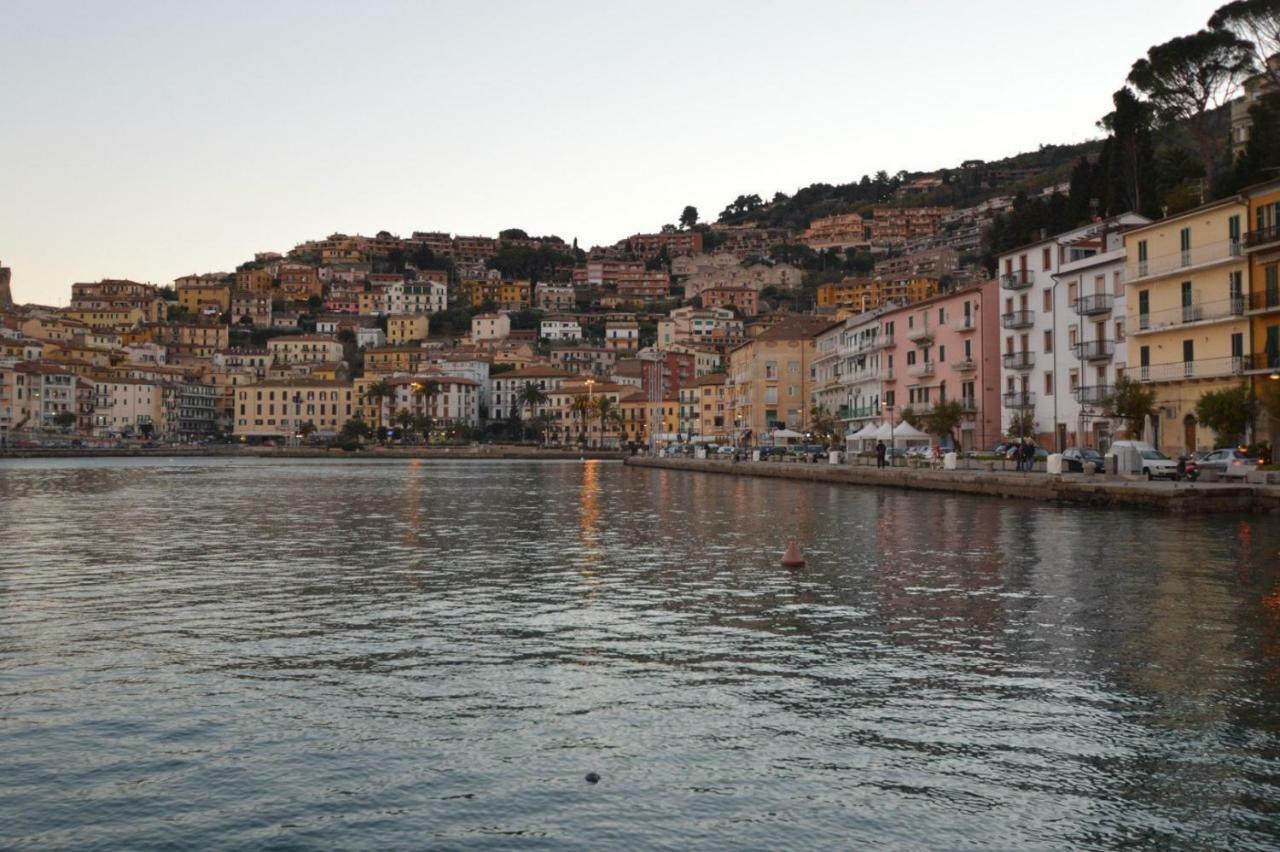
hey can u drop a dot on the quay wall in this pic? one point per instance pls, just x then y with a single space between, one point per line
1072 489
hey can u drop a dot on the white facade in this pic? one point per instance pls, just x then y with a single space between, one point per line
862 374
417 297
560 328
1040 288
366 337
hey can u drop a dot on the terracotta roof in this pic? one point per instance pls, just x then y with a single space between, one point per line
795 328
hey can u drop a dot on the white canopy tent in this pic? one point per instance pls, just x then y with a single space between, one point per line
859 440
781 436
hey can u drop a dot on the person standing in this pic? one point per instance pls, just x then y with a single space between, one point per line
879 453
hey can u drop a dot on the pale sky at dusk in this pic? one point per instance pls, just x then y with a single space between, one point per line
149 140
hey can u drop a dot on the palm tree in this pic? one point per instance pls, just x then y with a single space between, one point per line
376 393
546 420
581 406
404 419
531 397
427 391
609 413
421 424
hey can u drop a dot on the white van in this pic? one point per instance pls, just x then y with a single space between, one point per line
1155 464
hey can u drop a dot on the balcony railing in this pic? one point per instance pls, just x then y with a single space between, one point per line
924 368
1266 300
1196 312
924 331
1095 350
1093 394
861 412
968 403
1262 236
1099 303
965 365
887 374
1019 399
1179 260
869 344
1018 319
1176 371
1019 279
966 323
1019 360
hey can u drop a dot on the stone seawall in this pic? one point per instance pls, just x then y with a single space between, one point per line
481 453
1072 488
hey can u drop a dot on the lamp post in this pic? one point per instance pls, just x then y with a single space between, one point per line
888 406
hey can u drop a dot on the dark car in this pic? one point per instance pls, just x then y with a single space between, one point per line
810 452
1075 458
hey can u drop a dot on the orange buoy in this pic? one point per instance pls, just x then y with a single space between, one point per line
793 558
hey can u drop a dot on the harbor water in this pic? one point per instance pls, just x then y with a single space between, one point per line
236 653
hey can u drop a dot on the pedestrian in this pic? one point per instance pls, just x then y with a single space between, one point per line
1020 455
879 453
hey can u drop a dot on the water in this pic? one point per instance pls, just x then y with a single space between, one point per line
255 654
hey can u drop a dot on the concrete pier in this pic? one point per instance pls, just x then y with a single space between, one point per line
1078 489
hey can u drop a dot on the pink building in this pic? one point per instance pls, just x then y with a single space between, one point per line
947 348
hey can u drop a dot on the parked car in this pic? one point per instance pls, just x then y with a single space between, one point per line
810 452
1075 458
1228 461
725 450
1155 464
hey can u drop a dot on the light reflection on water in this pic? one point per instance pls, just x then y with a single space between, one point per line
421 654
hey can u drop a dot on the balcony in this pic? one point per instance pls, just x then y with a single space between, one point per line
1264 362
1178 371
1095 350
1264 302
1092 306
1093 394
920 333
887 374
870 344
924 368
1018 319
1262 236
863 412
965 324
1196 257
965 365
968 404
1205 312
1019 360
1019 279
1019 399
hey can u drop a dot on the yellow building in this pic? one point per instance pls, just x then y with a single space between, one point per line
865 294
393 359
1186 325
770 376
195 290
279 408
405 328
1262 247
125 315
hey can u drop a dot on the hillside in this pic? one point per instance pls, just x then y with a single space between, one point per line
965 185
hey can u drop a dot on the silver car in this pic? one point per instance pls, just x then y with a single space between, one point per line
1228 461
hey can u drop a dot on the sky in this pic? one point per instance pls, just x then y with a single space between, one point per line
149 140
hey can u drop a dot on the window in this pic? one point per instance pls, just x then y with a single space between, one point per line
1048 300
1117 284
771 369
771 396
942 355
968 350
1048 341
1188 350
1237 345
1046 258
1048 384
1119 330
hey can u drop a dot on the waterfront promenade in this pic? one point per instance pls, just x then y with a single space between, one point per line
1095 490
478 452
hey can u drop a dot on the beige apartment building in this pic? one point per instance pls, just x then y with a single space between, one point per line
1187 329
278 408
770 376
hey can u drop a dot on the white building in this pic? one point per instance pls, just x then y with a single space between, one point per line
560 329
505 389
455 403
366 337
1045 286
417 297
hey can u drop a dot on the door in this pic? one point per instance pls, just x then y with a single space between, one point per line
1189 433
